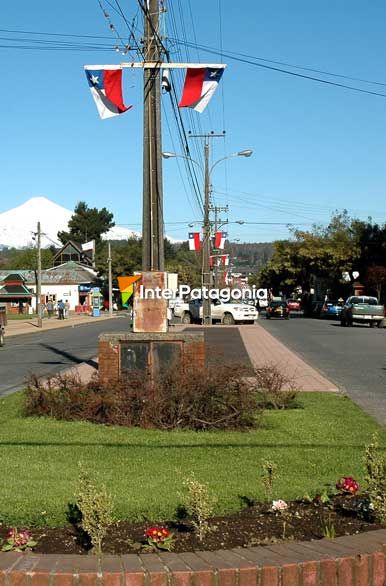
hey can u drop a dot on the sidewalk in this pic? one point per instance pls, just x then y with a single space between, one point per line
29 326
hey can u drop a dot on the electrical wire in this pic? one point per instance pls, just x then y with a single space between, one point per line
252 61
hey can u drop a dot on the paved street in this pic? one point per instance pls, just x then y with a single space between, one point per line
354 358
50 351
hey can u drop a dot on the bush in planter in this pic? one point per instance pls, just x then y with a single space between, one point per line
375 463
95 507
181 398
276 390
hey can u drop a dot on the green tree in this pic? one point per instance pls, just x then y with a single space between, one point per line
27 259
375 278
324 252
87 224
126 257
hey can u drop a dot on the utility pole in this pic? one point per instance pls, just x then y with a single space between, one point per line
217 223
206 274
110 281
206 279
152 219
39 279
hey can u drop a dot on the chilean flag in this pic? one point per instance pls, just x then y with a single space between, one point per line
219 240
106 89
200 85
225 259
194 241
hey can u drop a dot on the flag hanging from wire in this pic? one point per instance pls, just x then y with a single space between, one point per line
199 87
218 260
88 245
194 241
219 240
106 89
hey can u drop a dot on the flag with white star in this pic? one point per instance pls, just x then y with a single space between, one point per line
106 89
199 87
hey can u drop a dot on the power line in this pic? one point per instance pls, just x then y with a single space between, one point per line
251 61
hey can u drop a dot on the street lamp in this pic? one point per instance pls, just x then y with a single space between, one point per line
206 278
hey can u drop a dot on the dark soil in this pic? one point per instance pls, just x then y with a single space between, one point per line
254 525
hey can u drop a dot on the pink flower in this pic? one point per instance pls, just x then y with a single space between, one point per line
279 505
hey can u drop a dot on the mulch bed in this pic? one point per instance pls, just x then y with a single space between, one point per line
254 525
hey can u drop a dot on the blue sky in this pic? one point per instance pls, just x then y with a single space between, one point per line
316 147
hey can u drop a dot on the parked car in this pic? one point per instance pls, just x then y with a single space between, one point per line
278 309
180 306
293 305
362 309
331 309
227 313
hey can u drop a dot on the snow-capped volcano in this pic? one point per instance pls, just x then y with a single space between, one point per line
18 225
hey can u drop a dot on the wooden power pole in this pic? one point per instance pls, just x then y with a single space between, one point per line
110 280
152 224
39 307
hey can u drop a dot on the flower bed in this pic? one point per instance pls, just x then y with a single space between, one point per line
260 524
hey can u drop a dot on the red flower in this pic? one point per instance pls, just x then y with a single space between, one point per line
347 484
157 533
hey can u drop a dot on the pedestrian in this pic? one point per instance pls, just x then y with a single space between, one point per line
61 309
67 308
21 307
50 308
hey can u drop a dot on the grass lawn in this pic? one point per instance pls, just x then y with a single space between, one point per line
312 446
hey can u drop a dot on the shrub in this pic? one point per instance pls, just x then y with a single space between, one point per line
212 398
276 390
268 477
199 505
376 479
95 506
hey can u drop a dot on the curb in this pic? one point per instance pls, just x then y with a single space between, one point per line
357 560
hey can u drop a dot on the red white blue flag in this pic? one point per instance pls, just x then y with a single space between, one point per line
219 259
200 85
219 240
106 89
194 241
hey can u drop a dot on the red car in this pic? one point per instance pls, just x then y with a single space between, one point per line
293 304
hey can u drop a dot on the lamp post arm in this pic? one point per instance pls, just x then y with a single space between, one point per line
222 159
187 159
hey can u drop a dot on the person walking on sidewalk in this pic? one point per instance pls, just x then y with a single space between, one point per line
61 309
66 308
50 308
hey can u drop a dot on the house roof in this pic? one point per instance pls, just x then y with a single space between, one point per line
14 277
7 291
72 249
68 273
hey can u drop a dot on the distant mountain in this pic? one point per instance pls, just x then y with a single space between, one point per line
18 225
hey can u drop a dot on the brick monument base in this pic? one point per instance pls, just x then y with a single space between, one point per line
121 352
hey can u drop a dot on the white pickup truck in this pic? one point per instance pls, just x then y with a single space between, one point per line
228 313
